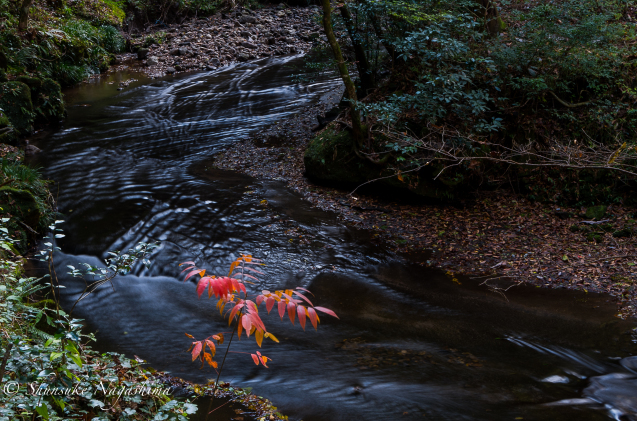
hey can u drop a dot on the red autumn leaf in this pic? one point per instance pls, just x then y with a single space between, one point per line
313 316
247 324
269 303
303 289
236 308
202 285
196 350
303 297
195 272
281 309
300 310
291 312
255 358
326 311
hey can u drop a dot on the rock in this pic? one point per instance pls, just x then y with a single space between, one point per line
174 52
152 61
245 34
248 45
30 149
142 53
247 19
630 363
15 100
617 391
313 35
179 67
31 82
596 212
214 62
183 51
271 41
170 70
243 57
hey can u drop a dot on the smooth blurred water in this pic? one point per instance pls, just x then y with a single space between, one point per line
133 166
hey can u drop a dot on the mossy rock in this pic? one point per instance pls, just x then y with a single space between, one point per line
622 233
596 212
30 81
20 205
596 237
330 159
15 101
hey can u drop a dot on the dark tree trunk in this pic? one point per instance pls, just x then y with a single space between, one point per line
493 23
24 15
357 127
362 64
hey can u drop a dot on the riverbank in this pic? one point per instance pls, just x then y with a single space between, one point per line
498 236
223 39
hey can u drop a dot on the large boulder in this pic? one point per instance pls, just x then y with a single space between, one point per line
15 101
46 96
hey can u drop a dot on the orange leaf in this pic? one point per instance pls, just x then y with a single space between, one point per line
259 337
190 336
218 338
211 345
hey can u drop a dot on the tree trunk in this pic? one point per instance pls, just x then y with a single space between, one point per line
493 22
357 127
24 15
362 64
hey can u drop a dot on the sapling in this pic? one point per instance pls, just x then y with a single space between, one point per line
233 297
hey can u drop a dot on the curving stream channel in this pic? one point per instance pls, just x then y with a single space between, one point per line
409 345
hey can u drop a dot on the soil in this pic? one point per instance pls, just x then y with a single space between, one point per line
499 237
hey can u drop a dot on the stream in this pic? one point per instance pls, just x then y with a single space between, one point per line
131 165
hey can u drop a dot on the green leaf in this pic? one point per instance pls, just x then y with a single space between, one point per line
56 355
43 411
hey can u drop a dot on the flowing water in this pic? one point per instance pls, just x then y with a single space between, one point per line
131 166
